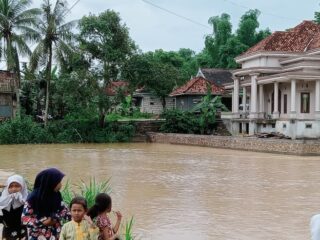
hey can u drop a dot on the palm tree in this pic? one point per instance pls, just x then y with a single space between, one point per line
55 43
16 22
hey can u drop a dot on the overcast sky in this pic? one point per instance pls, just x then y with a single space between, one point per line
153 28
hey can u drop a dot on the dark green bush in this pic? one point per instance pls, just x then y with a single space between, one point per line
24 130
179 122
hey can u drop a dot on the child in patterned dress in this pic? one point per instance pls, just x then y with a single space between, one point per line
103 206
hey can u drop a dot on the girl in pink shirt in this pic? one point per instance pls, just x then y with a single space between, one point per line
99 212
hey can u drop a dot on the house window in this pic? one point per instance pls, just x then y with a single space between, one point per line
285 103
308 125
264 125
151 103
273 125
284 125
305 102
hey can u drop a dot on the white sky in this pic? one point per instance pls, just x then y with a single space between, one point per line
152 28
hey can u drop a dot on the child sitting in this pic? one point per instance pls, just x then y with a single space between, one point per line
12 200
80 227
102 206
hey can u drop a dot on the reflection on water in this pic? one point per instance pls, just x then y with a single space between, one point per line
183 192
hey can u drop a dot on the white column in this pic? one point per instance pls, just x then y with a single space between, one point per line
253 99
244 99
232 98
236 97
317 100
261 101
293 99
276 100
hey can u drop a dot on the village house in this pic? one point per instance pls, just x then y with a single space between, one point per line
8 85
279 81
141 98
191 93
150 103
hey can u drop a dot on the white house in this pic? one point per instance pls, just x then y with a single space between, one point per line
277 88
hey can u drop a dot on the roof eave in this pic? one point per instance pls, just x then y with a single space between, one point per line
242 58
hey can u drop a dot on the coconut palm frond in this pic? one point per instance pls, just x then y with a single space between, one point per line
21 45
36 56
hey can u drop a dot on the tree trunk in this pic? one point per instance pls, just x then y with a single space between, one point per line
48 86
102 117
14 67
163 101
17 70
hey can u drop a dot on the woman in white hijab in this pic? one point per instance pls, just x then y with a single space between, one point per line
12 200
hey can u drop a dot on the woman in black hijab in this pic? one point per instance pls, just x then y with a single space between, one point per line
44 209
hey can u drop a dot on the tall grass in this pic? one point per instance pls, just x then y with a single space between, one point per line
128 230
87 190
90 191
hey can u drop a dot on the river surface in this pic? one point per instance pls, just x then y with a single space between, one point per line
186 192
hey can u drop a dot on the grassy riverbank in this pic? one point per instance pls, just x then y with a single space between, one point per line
26 131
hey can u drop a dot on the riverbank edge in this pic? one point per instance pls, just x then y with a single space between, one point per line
279 146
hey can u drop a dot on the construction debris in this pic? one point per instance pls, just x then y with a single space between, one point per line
273 135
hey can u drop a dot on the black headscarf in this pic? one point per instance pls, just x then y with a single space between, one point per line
43 199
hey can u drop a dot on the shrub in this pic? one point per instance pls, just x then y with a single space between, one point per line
23 130
179 122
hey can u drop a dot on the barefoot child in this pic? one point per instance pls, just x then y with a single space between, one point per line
81 226
101 208
12 200
44 209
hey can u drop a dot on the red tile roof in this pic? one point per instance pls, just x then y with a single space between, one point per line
197 86
111 90
303 37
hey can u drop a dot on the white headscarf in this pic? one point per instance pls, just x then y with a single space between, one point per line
15 199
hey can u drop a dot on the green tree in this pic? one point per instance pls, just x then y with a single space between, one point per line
107 44
163 78
317 17
221 47
246 32
55 41
222 31
153 71
207 110
16 22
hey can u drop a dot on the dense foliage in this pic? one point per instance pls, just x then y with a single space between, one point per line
222 46
199 120
24 130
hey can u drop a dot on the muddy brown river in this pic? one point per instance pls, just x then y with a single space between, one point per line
186 192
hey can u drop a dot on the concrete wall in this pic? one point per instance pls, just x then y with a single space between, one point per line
295 147
152 104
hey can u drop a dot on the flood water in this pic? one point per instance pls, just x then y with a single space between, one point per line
186 192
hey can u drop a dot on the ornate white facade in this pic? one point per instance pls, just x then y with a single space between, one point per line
277 90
